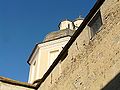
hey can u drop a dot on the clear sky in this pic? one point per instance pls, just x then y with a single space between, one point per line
23 23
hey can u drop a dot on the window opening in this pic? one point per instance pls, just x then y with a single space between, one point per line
95 23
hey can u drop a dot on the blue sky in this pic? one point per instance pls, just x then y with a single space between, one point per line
23 23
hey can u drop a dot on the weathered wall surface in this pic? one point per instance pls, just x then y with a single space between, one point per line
94 65
5 86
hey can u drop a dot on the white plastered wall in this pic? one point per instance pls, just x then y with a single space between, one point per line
42 57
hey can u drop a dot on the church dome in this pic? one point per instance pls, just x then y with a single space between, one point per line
66 28
59 34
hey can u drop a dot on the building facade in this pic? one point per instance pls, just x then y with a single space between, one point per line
77 58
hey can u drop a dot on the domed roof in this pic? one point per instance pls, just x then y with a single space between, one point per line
59 34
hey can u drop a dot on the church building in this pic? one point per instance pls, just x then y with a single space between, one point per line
46 52
84 54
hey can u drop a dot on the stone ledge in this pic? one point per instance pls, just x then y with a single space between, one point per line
17 83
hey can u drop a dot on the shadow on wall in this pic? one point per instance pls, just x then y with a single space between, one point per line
114 84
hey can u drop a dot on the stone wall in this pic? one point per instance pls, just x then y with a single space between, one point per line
93 65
